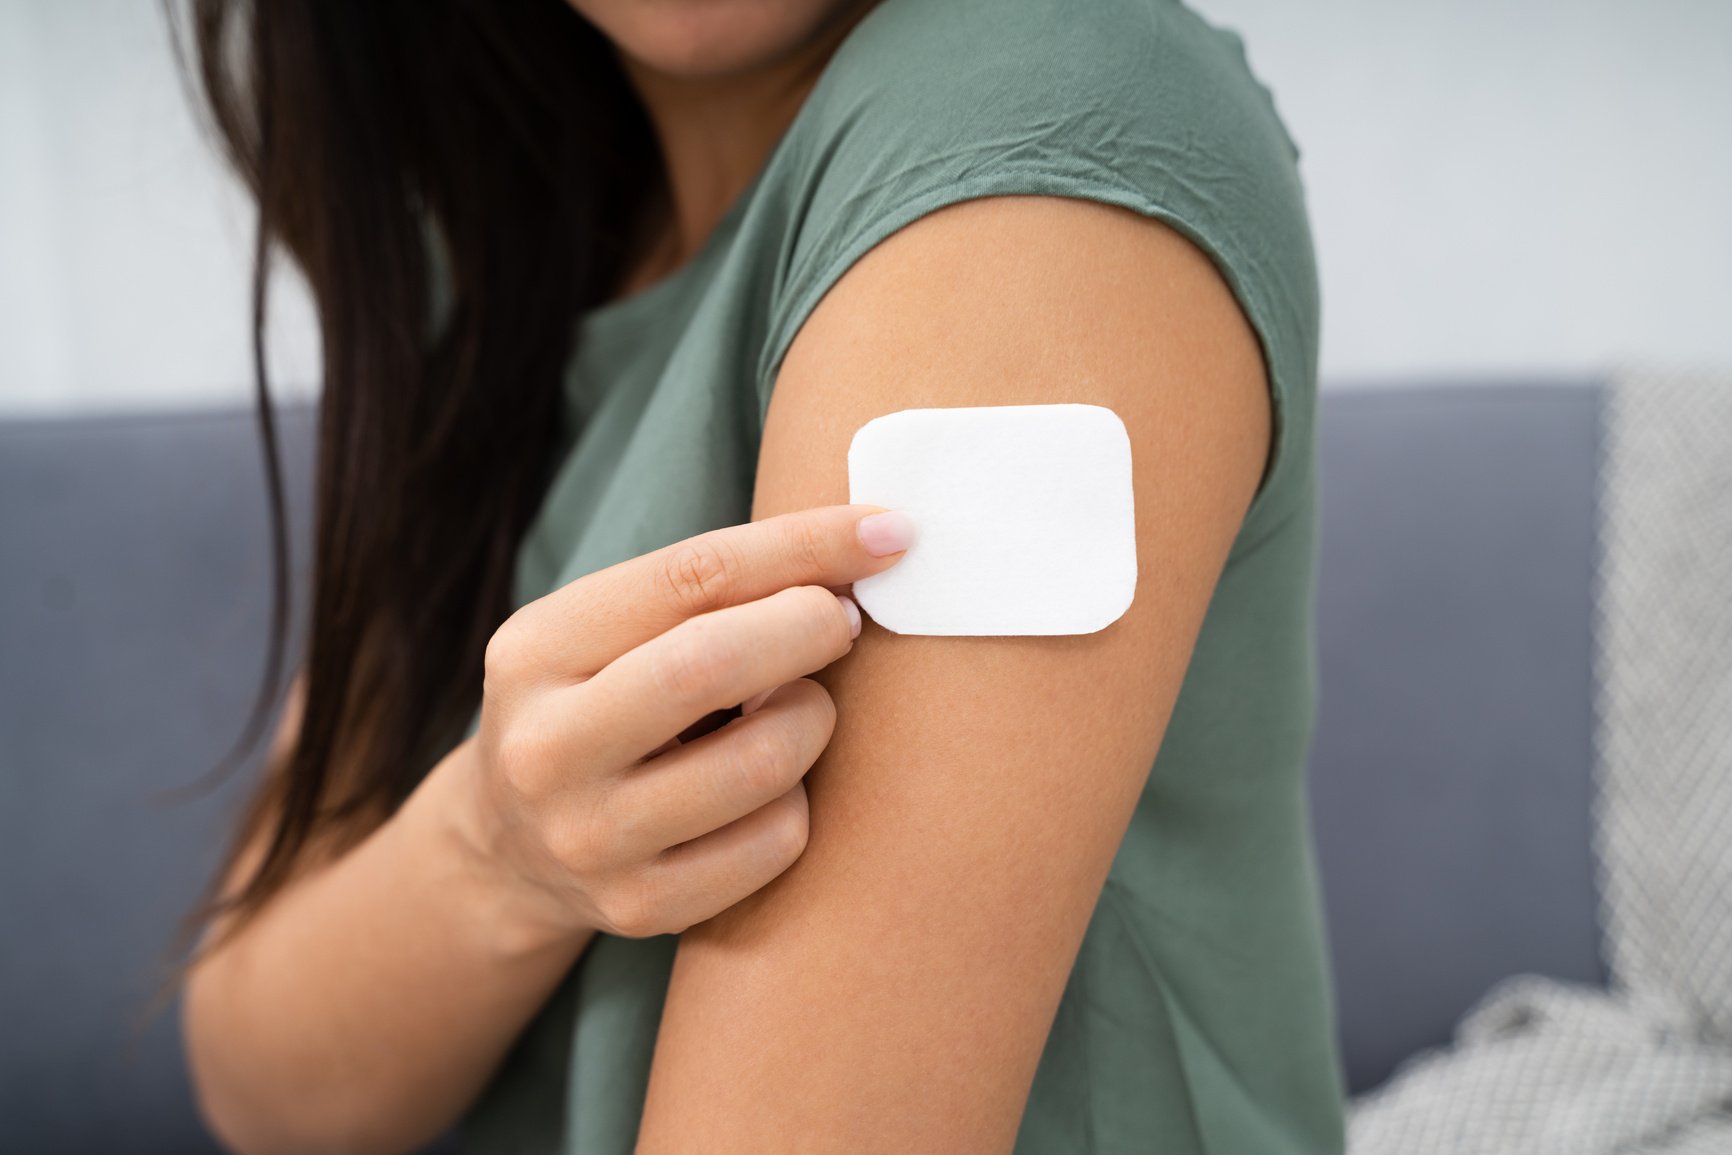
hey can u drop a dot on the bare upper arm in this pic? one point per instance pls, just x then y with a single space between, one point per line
893 989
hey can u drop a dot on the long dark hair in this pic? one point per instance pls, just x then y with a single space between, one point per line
457 180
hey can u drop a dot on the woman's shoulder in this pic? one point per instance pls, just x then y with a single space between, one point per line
1136 103
1044 79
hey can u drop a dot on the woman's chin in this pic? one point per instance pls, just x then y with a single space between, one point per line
710 39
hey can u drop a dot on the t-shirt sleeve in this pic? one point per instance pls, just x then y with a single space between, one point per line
1134 103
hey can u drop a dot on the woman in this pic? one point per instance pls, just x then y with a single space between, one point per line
600 283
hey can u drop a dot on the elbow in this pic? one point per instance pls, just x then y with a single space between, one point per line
235 1117
257 1122
221 1107
240 1125
231 1122
252 1105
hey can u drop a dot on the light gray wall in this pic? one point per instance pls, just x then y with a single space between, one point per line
1497 186
1509 185
124 245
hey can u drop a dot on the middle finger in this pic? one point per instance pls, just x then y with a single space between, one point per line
712 662
703 785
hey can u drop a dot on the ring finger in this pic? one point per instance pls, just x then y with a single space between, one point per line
702 785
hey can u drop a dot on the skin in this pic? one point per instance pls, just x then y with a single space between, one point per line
721 80
893 989
876 871
368 1003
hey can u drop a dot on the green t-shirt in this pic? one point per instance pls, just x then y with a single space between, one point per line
1198 1015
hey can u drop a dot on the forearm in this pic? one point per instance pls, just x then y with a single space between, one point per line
367 1005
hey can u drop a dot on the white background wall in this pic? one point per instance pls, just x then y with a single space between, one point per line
125 247
1497 187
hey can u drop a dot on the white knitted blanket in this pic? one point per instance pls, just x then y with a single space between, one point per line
1644 1068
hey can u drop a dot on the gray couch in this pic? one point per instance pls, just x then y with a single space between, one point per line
1451 764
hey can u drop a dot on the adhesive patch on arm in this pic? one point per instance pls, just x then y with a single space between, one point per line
1023 519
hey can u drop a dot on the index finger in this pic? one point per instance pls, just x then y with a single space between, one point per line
591 621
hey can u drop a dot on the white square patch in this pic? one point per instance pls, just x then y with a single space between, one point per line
1022 514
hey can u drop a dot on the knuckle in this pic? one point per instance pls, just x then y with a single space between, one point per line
503 660
823 616
767 756
629 908
820 711
810 696
622 836
785 839
581 846
806 548
700 574
520 758
690 670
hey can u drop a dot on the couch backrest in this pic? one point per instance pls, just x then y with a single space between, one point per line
1451 770
133 603
1451 759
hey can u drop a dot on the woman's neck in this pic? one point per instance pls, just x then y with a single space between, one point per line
715 134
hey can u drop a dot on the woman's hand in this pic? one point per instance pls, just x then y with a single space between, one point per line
585 803
367 1004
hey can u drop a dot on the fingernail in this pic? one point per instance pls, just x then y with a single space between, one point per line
853 612
886 533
